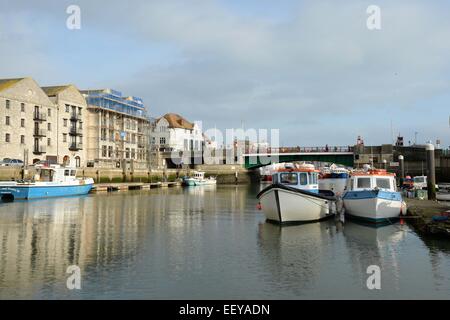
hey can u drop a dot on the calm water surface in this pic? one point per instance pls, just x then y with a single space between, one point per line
205 243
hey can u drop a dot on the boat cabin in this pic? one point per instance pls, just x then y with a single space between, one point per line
55 173
198 175
304 179
372 180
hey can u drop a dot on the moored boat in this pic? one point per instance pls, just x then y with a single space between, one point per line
334 179
49 181
372 196
198 179
293 197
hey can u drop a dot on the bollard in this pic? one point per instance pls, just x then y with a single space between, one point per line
431 172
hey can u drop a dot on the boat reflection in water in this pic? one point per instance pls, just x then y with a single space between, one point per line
294 255
371 245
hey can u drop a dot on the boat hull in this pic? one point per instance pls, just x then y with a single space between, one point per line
286 205
441 196
373 206
337 185
27 192
197 182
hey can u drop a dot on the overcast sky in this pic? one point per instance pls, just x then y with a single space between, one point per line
309 68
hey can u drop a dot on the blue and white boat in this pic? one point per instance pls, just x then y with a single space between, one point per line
372 196
49 181
198 179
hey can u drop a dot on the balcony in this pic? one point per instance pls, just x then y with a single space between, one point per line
40 132
39 116
75 117
39 149
75 146
75 132
141 144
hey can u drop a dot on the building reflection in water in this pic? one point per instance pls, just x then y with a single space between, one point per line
40 239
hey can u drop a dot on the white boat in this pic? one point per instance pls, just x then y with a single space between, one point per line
49 181
334 179
198 179
372 196
294 197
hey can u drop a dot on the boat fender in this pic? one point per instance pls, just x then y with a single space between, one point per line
258 206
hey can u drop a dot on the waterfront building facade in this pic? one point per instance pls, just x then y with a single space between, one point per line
117 130
172 132
70 122
28 118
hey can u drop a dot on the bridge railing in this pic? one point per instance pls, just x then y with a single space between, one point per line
302 149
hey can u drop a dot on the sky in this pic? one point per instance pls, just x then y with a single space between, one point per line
311 69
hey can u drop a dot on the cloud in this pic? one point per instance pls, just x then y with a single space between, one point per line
317 73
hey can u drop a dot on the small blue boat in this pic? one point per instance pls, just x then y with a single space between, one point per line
49 181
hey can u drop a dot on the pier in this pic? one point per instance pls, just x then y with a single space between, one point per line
423 211
127 186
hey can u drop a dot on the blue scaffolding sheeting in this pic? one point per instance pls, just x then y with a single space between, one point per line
113 100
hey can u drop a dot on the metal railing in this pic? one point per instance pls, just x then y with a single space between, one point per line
75 131
300 149
76 146
40 132
39 116
39 149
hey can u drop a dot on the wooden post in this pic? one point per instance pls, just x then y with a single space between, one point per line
431 172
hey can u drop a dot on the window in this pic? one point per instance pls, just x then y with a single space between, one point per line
133 153
64 137
288 178
73 173
49 142
110 151
49 126
103 151
8 104
79 111
7 137
127 152
383 183
162 140
153 140
49 112
313 178
22 139
65 122
303 178
66 172
67 108
22 107
22 123
363 183
7 121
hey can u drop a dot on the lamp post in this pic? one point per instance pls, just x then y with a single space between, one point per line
431 172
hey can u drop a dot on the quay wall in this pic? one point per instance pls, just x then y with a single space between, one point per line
226 174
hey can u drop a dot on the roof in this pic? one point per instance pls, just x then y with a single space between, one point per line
177 121
53 91
7 83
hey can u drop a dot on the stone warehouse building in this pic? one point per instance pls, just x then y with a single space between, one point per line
70 122
28 119
118 130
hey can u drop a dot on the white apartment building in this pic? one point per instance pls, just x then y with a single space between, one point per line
71 119
172 132
28 122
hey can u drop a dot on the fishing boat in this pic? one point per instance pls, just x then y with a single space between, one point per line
293 197
198 179
334 178
372 196
49 181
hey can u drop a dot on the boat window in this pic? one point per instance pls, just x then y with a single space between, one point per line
352 184
275 178
313 178
73 173
383 183
419 179
363 183
288 178
66 172
303 179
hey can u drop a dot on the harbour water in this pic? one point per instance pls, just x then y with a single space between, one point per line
205 243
